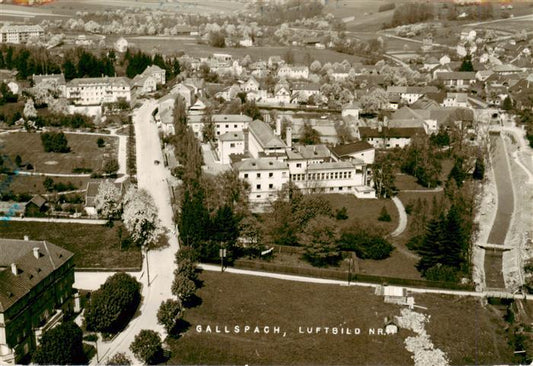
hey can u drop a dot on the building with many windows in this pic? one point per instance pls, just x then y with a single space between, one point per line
13 33
36 279
223 123
94 91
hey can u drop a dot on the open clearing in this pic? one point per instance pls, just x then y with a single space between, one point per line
94 246
476 332
84 152
34 184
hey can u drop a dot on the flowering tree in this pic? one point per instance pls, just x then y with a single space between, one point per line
140 216
107 200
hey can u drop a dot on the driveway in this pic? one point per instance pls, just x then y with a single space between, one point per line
153 178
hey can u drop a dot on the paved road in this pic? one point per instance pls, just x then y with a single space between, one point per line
493 258
280 276
161 263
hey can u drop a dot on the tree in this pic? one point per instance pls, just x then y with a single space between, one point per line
251 110
119 359
48 184
479 169
217 39
187 268
18 161
507 104
458 174
375 101
384 215
100 142
319 238
140 217
107 200
183 288
147 346
62 345
315 66
168 314
208 131
384 170
310 136
55 142
289 56
466 65
113 304
29 109
111 167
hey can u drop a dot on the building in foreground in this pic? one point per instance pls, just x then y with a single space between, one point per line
36 279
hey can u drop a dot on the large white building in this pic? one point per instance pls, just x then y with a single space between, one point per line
12 33
223 123
93 91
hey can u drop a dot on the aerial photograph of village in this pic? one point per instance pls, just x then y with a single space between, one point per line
266 182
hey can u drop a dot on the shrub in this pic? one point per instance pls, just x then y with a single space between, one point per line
384 215
341 214
100 142
147 346
55 142
184 288
119 359
441 273
365 244
113 304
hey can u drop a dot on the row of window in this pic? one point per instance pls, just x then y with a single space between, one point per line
322 176
258 175
258 186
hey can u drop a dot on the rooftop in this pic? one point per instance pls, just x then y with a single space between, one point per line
354 147
261 164
31 268
264 135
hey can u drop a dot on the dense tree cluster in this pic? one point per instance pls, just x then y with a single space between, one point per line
366 243
55 142
28 61
111 306
80 63
138 61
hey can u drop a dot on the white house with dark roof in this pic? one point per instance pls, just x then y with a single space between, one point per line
389 137
361 150
457 80
157 73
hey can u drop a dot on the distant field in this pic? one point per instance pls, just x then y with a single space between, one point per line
84 152
191 48
94 246
463 327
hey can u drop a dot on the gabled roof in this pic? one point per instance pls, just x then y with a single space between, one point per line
264 135
30 269
354 147
38 200
56 78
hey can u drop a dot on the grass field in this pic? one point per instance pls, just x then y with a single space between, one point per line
84 152
34 184
364 212
229 300
94 246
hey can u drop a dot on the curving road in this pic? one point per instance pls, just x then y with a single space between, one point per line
153 178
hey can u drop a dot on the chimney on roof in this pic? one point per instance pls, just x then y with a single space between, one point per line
278 126
289 136
14 269
36 253
26 238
